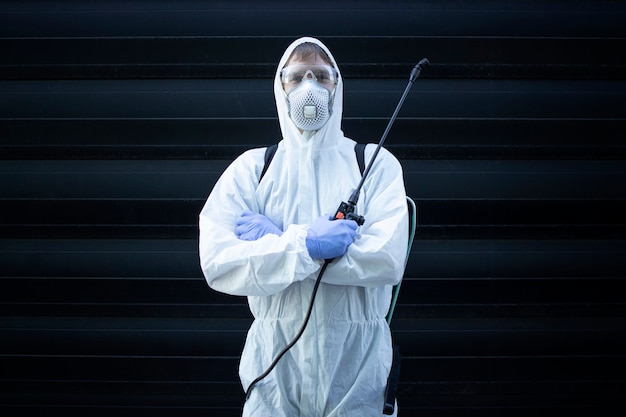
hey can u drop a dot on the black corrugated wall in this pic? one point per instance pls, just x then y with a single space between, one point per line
116 118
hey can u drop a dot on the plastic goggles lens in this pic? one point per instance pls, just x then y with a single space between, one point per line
324 74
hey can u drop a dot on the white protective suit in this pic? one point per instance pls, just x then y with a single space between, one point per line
340 365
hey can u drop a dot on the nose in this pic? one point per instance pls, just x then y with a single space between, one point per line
309 74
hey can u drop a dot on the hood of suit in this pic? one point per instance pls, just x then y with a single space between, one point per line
327 135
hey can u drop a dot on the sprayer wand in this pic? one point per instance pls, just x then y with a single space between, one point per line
346 209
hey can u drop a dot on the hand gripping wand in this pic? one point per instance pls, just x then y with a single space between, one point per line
346 210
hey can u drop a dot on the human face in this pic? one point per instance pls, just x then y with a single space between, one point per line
313 67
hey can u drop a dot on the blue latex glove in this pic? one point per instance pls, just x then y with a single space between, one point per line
328 239
253 226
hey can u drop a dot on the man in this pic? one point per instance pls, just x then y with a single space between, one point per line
268 240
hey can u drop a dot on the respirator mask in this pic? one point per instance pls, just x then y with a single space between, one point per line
310 102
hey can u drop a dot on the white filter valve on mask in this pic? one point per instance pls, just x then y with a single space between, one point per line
310 112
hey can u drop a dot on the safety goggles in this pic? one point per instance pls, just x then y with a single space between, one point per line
323 74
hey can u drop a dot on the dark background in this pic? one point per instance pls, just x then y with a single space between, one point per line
116 118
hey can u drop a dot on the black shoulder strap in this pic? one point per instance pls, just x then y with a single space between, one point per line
359 149
269 155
